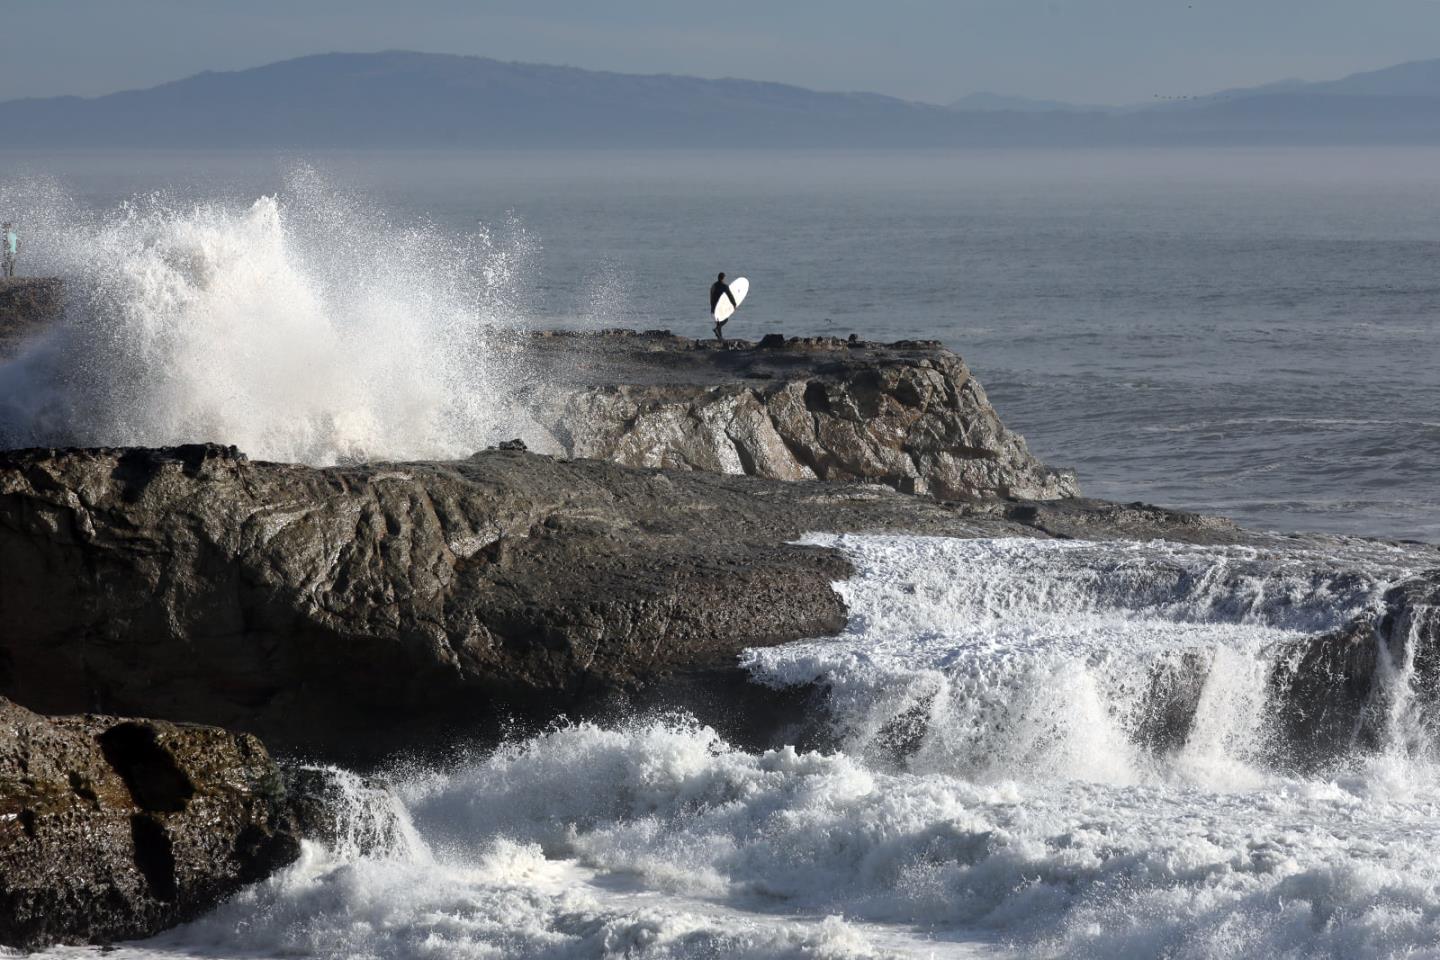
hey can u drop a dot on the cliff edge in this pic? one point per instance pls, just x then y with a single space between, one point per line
909 414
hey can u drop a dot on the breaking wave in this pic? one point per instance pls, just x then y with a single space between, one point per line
1040 748
305 326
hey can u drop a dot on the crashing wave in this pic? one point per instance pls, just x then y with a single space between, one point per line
303 327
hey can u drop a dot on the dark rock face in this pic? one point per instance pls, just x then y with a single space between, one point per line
909 415
301 604
1342 689
114 829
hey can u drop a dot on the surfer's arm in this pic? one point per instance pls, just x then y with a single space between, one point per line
732 298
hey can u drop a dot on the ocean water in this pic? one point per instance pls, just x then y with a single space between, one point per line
1036 749
1249 332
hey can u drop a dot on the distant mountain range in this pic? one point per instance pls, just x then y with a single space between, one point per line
398 99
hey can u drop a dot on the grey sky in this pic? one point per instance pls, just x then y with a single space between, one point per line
1103 51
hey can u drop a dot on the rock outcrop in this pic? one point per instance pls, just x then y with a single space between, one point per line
353 611
909 415
1346 686
114 829
305 604
1081 518
351 815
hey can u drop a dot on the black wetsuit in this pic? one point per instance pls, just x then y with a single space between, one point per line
721 288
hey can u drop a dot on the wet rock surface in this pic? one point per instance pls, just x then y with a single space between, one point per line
113 829
353 816
1344 688
909 414
353 611
303 604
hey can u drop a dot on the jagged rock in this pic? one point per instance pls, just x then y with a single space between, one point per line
113 829
909 414
1341 688
1412 624
300 603
1081 518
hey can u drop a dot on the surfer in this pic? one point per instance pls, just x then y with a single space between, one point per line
11 243
720 289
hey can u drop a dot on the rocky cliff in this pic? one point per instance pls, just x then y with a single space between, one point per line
909 415
302 604
355 610
113 829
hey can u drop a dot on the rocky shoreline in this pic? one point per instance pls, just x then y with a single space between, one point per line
909 415
348 613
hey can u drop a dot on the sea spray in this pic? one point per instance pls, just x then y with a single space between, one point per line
1115 662
1027 813
305 326
660 840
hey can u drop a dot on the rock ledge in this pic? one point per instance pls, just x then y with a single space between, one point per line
909 414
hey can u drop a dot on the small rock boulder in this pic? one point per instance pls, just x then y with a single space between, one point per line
115 829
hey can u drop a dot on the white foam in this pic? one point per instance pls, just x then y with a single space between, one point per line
300 327
662 841
1028 822
1010 657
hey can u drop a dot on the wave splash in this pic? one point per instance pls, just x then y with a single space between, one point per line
1118 663
302 327
1026 814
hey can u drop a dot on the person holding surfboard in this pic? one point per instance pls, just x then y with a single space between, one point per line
720 293
10 241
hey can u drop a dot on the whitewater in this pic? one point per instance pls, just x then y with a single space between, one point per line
306 326
998 780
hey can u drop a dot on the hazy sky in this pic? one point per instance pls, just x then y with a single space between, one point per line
1103 51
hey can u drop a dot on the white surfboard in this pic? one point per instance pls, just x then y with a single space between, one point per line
738 288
